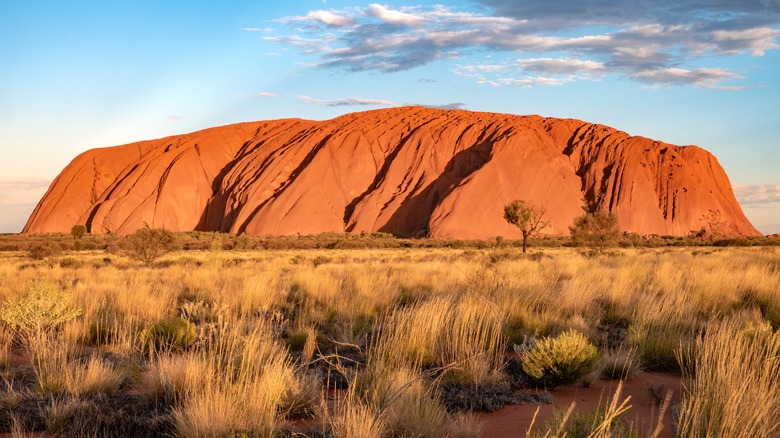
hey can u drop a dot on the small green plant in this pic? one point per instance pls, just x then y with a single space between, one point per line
39 310
560 360
148 244
171 332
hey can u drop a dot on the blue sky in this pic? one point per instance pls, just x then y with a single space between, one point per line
82 74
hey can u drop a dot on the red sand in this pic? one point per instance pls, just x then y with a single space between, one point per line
514 420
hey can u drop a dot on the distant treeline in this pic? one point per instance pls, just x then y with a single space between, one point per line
200 241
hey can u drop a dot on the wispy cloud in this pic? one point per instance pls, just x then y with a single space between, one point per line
266 94
446 106
345 101
757 194
327 18
661 43
22 191
173 118
259 29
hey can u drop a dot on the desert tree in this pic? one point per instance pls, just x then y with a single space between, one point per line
78 231
148 244
595 230
526 216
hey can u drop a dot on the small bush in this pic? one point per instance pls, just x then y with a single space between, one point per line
596 231
560 360
148 244
41 250
78 231
40 309
171 332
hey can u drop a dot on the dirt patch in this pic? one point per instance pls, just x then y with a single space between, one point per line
646 390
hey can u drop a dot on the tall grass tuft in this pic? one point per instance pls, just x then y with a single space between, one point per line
734 382
462 336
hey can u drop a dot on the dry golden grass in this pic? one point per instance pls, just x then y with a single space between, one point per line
406 321
734 382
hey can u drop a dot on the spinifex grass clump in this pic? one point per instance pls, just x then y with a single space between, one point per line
173 332
239 383
734 375
560 360
460 336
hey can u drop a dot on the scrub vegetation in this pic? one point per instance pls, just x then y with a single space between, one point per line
229 340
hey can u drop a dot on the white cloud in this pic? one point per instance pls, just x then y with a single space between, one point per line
551 72
663 45
567 66
327 18
394 17
331 19
701 77
22 191
447 106
345 101
266 94
756 40
757 194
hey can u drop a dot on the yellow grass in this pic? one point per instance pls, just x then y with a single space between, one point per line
410 319
733 388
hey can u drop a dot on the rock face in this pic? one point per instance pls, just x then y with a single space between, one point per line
409 171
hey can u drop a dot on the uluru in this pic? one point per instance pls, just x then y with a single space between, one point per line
410 171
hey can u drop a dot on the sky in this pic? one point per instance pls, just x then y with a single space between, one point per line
83 74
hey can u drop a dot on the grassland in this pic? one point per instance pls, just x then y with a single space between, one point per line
399 341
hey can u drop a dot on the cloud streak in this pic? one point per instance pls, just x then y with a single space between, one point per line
660 43
22 191
446 106
757 194
345 101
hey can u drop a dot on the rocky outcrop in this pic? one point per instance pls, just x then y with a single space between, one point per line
409 171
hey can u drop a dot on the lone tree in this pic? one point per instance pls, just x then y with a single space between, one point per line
526 216
148 244
596 231
78 231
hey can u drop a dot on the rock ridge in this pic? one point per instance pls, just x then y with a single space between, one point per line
410 171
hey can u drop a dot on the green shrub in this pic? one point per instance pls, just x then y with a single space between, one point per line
40 309
78 231
657 343
148 244
171 332
560 360
41 250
